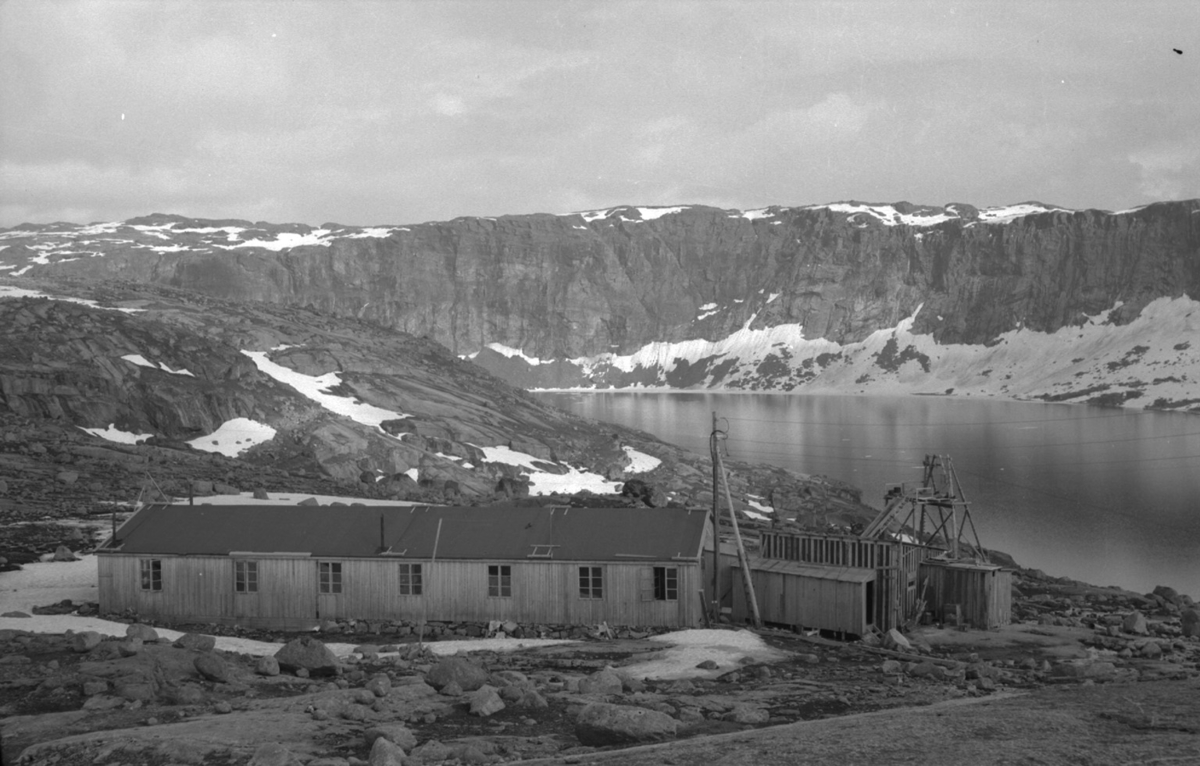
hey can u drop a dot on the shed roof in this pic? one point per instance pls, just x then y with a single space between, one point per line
411 532
977 566
841 574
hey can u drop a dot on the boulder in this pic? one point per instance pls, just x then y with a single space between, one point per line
67 477
1189 619
896 641
261 494
309 654
63 553
130 647
379 685
600 724
266 666
144 632
602 682
211 667
85 641
272 754
1135 623
385 753
197 642
485 701
396 733
465 673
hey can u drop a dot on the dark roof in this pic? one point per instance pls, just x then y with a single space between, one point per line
586 534
816 571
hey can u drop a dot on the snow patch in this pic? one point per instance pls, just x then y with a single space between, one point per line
640 462
651 213
1012 212
688 648
7 291
113 434
753 215
374 231
286 240
316 388
234 437
141 361
511 352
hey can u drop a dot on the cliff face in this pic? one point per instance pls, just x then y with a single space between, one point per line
612 282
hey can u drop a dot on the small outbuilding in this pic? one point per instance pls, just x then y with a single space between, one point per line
289 567
837 599
978 595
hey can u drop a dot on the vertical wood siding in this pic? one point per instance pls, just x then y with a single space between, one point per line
896 566
200 589
808 602
983 594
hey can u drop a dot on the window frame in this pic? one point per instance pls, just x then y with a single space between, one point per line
501 585
150 575
666 583
245 577
591 583
411 580
329 578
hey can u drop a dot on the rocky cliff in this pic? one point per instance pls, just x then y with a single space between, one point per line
584 299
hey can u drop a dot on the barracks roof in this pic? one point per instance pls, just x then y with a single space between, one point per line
584 534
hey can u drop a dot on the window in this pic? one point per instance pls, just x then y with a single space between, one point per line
591 582
666 583
151 574
499 581
410 579
245 576
330 576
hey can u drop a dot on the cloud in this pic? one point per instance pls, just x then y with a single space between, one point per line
1168 172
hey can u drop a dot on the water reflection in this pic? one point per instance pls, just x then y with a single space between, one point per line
1101 495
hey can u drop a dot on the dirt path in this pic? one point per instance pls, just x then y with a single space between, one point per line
1145 723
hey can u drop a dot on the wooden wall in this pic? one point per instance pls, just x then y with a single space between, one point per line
200 589
983 593
807 602
896 565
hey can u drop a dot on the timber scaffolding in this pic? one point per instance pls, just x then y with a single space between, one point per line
921 566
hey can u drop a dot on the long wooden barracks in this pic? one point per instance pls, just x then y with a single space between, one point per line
288 567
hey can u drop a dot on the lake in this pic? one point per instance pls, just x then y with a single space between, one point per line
1106 496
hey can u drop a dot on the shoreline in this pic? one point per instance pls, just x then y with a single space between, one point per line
667 390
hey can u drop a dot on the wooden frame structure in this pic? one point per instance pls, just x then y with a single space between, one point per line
895 564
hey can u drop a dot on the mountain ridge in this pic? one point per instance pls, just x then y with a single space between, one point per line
617 281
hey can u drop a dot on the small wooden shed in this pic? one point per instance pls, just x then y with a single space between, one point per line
980 593
838 599
288 567
895 564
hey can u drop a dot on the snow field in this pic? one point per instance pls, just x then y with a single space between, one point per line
235 437
113 434
316 389
141 361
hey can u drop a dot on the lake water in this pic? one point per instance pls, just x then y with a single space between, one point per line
1101 495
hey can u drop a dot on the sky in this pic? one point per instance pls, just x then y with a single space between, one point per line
367 113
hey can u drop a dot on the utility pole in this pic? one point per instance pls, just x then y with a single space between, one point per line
716 536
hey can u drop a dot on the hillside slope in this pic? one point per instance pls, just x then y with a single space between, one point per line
100 385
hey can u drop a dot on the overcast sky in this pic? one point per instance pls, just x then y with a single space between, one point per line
401 112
